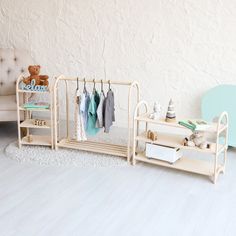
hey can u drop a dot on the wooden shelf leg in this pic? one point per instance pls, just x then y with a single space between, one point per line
214 180
135 130
215 168
225 158
136 134
18 114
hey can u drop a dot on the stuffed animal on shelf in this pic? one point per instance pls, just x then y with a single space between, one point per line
197 139
34 71
156 114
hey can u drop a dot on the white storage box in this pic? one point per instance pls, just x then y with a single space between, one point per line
163 153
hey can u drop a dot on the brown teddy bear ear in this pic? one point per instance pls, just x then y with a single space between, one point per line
39 66
29 67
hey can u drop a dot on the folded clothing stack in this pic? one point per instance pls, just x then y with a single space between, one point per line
35 105
195 125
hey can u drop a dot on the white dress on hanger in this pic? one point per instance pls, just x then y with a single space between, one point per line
80 134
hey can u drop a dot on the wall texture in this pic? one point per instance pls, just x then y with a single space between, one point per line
174 48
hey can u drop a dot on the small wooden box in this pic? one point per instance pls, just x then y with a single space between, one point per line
163 153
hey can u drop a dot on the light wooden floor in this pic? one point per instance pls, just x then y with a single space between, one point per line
140 200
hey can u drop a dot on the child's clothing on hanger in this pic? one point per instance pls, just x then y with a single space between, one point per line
80 134
100 111
92 114
84 106
96 97
109 111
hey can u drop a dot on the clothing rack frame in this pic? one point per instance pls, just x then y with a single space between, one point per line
93 146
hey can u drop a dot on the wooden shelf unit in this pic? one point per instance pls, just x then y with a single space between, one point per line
204 167
28 122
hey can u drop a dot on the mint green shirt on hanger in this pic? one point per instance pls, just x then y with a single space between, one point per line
92 114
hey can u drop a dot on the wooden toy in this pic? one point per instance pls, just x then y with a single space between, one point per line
30 138
170 115
39 122
152 135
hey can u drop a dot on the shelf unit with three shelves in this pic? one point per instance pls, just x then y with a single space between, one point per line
25 125
211 168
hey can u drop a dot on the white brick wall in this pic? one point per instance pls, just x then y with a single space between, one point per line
174 48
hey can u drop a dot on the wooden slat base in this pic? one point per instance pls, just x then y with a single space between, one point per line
91 146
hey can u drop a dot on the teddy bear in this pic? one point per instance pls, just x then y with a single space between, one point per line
34 71
196 139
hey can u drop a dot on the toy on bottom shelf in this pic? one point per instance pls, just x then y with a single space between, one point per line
197 139
156 111
30 138
152 135
39 122
170 115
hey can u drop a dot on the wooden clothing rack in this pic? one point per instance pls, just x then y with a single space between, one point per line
93 146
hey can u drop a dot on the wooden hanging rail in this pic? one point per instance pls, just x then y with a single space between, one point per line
103 81
98 147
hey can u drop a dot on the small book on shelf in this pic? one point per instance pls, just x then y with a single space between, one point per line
36 105
195 125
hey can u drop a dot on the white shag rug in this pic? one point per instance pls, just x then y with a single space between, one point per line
63 157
